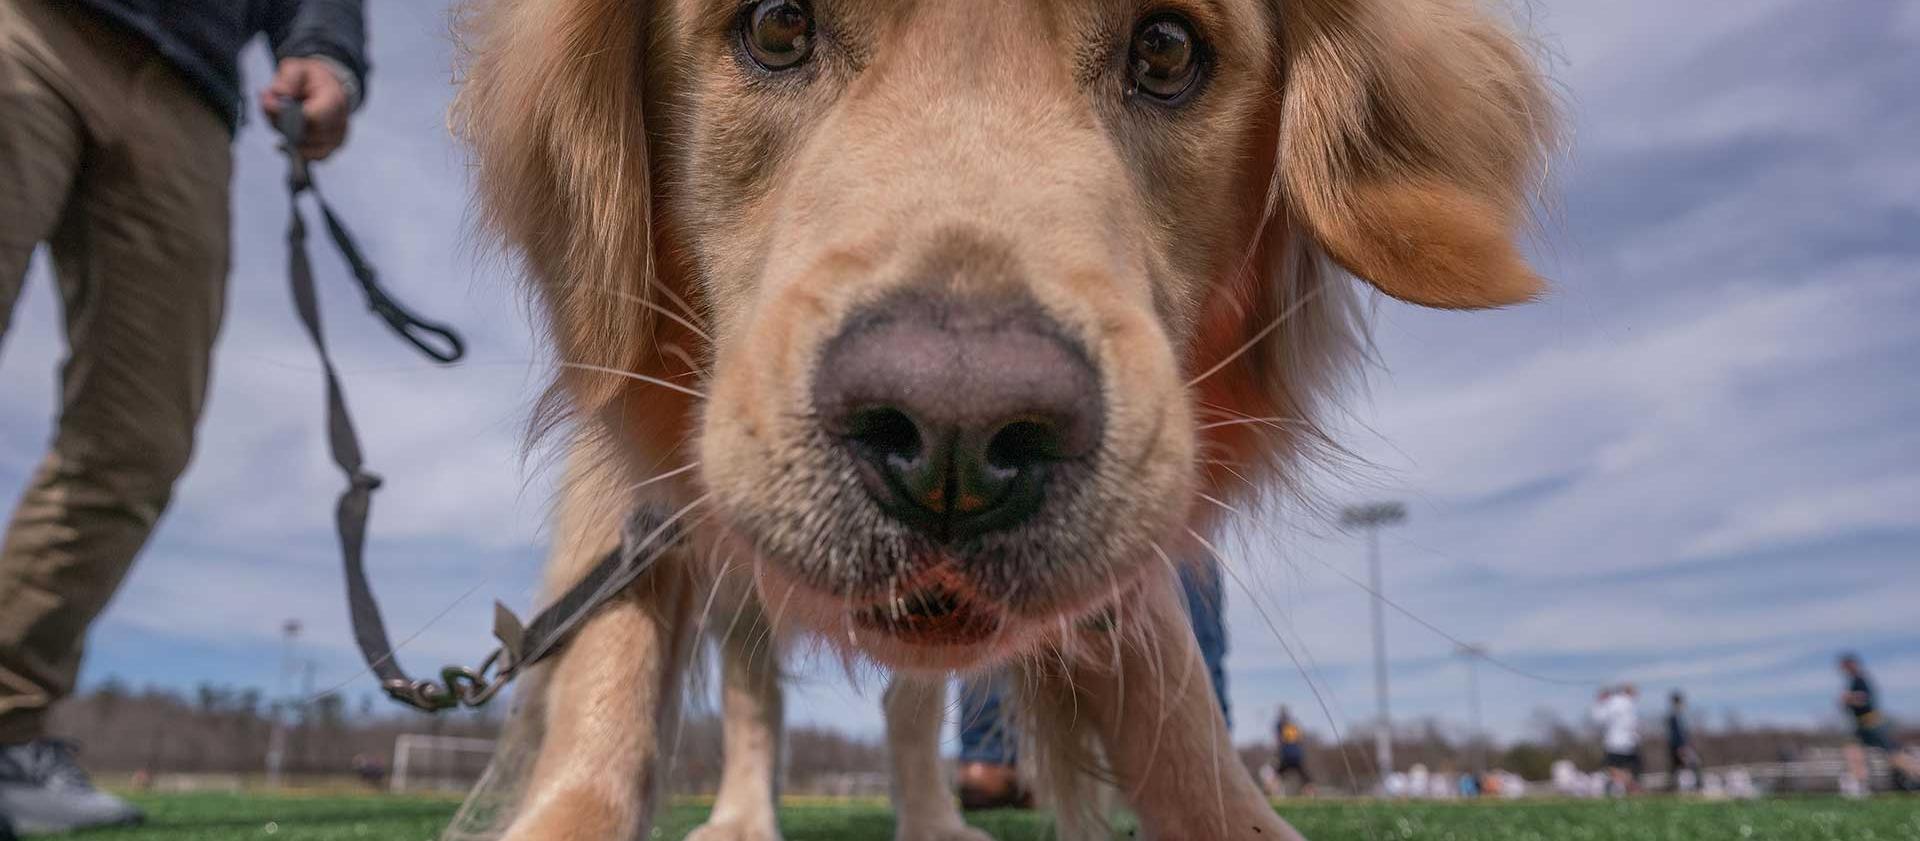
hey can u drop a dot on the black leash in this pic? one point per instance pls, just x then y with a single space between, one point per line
520 646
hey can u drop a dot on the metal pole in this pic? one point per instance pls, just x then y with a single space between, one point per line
1473 654
277 738
1371 517
1383 737
402 762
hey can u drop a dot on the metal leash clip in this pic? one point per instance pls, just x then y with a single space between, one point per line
458 686
523 644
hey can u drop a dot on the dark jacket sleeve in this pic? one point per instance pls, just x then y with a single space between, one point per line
336 29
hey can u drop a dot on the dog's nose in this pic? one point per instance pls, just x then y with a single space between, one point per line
959 415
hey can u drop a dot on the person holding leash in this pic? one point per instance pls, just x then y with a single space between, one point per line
116 122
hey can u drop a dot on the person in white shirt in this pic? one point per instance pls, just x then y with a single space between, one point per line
1618 715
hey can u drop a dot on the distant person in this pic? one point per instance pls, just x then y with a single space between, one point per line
116 126
1683 759
1871 732
1617 712
1291 744
371 771
1468 786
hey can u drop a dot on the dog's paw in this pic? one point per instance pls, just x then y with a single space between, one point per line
736 831
941 832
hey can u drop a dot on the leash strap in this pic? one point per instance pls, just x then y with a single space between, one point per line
520 645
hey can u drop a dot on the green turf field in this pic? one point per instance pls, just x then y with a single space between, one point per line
235 817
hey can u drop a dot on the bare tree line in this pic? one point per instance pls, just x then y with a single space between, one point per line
226 730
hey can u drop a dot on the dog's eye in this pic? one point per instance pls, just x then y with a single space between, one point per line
1164 59
778 34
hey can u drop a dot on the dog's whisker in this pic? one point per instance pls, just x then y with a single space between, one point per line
1277 423
1227 507
1231 470
1114 633
773 628
846 618
671 315
678 471
1251 343
666 384
738 610
680 355
1066 671
700 632
1160 671
685 308
1219 786
713 593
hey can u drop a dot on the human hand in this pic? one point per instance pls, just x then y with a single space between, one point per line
323 99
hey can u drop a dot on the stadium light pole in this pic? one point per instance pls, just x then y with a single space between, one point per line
277 739
1373 516
1473 654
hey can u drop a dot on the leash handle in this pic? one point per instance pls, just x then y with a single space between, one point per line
292 122
438 341
292 126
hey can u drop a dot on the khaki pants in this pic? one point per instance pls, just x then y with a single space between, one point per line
109 156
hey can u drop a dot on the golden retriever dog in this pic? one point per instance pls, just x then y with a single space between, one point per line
944 329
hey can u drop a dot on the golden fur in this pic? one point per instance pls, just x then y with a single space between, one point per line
695 230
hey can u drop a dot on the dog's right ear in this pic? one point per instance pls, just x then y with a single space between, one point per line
1414 134
551 107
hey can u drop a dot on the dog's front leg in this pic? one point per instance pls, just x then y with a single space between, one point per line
751 706
612 706
1151 702
923 804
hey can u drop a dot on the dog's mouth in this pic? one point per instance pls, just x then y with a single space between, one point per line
932 616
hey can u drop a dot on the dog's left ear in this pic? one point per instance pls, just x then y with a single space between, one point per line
552 108
1413 136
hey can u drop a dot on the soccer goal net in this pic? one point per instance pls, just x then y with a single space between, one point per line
438 763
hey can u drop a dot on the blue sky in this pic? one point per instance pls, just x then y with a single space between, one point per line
1696 463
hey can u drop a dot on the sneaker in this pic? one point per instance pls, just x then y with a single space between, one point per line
987 786
1851 788
43 790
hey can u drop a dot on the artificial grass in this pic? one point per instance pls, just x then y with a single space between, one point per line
232 817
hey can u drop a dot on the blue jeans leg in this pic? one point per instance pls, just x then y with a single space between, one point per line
1205 607
985 733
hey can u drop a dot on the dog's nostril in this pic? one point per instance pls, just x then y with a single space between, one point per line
885 432
1024 444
